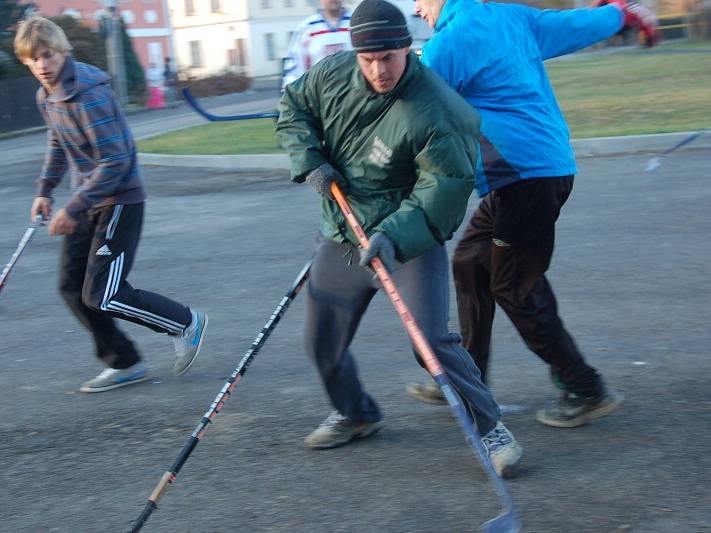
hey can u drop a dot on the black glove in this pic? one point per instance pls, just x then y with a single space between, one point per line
321 178
382 247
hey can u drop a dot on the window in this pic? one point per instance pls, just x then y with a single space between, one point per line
189 8
269 45
266 4
195 54
235 56
215 6
288 3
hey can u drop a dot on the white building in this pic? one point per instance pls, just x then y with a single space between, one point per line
248 36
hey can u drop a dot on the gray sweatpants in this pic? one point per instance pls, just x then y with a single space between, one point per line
338 293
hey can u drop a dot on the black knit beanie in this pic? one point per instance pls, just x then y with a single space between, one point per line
377 25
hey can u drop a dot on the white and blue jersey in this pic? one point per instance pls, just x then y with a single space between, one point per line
314 39
492 55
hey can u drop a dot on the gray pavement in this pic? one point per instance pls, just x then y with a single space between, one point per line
631 273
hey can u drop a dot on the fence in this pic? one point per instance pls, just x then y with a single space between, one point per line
18 109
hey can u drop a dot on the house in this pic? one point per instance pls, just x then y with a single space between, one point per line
147 23
246 36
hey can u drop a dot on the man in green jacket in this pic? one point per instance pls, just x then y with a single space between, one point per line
402 145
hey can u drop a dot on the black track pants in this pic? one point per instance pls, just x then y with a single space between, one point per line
95 262
502 258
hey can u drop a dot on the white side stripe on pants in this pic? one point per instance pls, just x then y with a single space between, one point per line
108 303
111 228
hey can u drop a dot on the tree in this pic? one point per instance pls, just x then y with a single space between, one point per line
88 45
135 76
11 12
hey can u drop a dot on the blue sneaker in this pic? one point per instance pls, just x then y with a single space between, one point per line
113 378
187 345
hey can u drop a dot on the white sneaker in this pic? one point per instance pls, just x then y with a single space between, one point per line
502 448
113 378
338 430
187 345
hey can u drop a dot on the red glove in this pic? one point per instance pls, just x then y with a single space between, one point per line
638 17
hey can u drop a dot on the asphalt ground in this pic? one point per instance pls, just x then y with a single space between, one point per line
631 272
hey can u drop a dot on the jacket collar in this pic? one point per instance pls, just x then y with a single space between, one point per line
74 78
65 89
413 66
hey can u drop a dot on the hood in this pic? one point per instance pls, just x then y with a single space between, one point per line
449 11
76 77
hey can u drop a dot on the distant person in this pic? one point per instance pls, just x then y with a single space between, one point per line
405 153
318 36
493 54
170 83
89 137
154 78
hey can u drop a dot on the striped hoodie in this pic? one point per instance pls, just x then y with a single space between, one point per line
88 135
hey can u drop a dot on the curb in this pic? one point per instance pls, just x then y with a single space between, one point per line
593 147
250 162
633 144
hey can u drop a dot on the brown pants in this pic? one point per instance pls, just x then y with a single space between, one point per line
502 258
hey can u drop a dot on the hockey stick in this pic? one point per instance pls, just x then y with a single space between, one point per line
190 99
508 521
653 164
221 398
29 232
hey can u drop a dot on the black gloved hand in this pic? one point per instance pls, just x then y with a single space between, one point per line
381 246
321 178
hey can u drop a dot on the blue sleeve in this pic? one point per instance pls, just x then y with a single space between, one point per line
562 32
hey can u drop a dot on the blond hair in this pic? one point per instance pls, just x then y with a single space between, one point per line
35 32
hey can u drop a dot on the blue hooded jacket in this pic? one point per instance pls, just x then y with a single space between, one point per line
492 54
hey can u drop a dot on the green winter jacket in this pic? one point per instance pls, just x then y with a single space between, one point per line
409 155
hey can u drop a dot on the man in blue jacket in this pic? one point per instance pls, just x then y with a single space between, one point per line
493 54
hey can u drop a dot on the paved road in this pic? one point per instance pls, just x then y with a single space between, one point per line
631 271
151 122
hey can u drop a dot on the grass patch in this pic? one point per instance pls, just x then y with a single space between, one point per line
634 91
218 138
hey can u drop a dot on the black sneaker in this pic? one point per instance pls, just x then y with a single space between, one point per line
571 410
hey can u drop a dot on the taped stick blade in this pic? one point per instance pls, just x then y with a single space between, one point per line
504 523
653 164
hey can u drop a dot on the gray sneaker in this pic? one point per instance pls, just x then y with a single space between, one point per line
571 410
113 378
503 450
187 345
427 392
338 430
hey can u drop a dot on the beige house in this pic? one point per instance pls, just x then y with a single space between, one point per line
246 36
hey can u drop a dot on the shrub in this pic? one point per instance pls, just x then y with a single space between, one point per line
224 83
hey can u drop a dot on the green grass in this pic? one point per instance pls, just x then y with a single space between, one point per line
630 92
635 92
219 138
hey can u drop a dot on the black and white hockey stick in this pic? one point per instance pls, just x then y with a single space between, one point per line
220 400
192 102
29 232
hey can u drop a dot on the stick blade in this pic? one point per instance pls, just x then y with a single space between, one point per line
504 523
653 164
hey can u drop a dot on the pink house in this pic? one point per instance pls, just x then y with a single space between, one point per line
147 22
